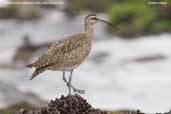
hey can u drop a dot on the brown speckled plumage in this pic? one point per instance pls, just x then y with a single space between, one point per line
65 54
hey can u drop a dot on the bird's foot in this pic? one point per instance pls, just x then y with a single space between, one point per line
75 89
79 91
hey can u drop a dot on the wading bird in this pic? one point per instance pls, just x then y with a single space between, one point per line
68 53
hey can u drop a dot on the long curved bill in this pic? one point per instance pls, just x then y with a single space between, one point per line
108 23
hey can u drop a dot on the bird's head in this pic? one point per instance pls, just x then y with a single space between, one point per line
92 20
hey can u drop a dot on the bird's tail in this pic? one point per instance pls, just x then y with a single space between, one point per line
40 70
29 65
37 72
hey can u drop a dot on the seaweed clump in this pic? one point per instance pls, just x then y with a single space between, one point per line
74 104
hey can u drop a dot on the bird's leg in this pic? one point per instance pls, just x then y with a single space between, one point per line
65 80
74 89
67 83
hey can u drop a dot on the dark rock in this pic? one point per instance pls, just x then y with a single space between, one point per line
25 52
100 57
13 97
74 104
146 59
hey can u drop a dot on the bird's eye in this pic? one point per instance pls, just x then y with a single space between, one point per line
94 18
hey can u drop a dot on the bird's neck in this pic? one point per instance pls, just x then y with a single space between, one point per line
89 30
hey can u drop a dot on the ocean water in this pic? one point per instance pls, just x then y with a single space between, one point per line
111 76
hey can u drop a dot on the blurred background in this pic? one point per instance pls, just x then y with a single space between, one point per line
127 69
